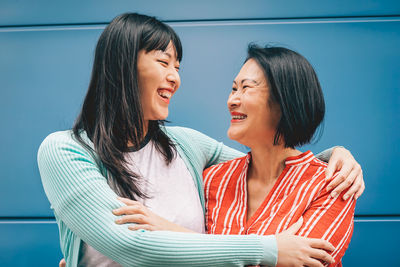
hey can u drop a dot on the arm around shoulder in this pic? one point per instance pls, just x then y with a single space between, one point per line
215 152
82 199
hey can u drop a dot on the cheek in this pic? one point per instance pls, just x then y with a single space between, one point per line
143 86
148 75
146 96
178 81
147 84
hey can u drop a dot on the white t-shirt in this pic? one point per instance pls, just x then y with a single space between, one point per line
171 192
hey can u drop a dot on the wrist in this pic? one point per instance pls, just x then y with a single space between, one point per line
270 247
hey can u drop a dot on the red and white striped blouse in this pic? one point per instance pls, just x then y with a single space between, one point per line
300 190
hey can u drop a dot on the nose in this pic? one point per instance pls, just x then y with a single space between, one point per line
174 78
233 100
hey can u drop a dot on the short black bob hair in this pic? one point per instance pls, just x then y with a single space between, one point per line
295 87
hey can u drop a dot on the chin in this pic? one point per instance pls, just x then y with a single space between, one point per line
160 115
165 115
233 135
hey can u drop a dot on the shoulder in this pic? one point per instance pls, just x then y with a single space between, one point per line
57 139
319 163
216 170
62 143
63 138
318 166
306 168
316 169
315 174
59 136
178 131
190 138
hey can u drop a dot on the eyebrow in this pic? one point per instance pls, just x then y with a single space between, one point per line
168 54
245 80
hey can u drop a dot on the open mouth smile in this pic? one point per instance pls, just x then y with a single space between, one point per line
165 94
238 117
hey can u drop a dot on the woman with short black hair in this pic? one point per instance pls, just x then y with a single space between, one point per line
276 105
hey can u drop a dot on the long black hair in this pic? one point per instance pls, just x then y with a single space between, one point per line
112 114
295 87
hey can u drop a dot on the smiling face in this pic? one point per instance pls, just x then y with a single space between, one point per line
254 118
158 80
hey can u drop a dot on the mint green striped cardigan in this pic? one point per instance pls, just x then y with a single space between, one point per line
82 202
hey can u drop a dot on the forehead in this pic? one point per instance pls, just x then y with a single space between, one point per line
252 71
170 51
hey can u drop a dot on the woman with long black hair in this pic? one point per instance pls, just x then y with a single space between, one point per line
119 147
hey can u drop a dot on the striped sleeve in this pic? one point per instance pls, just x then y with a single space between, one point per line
82 200
331 219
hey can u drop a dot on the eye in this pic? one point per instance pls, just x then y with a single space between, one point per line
234 89
163 62
177 68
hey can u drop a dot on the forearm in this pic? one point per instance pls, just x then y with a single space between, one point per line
82 199
144 248
181 249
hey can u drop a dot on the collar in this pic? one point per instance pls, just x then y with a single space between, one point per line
301 159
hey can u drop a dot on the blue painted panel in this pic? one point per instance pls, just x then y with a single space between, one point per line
44 78
45 72
25 12
374 243
29 244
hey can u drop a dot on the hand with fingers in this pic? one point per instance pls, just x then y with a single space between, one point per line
143 218
349 174
301 251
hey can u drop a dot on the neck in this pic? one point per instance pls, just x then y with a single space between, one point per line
268 162
145 130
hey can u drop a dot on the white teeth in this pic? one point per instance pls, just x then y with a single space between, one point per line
236 117
165 93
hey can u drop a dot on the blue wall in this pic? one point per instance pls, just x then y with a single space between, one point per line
46 53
